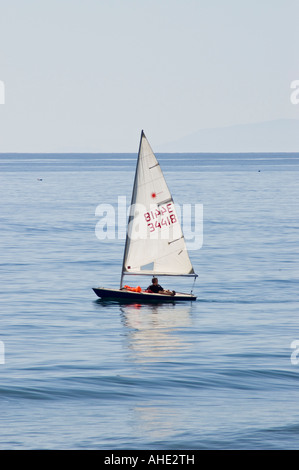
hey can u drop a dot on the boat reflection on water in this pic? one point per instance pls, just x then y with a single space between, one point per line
153 331
156 338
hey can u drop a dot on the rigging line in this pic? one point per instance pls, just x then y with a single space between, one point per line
195 277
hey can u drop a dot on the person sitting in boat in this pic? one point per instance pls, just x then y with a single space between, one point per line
155 288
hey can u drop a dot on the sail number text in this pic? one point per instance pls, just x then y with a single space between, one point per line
157 218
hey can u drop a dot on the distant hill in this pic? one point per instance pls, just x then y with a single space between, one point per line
280 135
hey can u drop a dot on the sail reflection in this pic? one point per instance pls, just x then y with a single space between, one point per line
153 331
157 420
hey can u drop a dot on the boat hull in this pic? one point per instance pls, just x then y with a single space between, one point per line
124 295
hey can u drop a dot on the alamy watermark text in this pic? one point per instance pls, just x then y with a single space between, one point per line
295 94
2 353
2 92
157 222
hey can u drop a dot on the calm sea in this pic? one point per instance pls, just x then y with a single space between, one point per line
79 373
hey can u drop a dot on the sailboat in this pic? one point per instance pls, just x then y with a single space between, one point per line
155 244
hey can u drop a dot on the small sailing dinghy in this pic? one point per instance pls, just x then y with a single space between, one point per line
155 243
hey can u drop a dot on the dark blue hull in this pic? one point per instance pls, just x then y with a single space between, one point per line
124 295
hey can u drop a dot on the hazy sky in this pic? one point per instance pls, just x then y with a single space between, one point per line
88 75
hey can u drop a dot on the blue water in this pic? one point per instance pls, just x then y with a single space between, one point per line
79 373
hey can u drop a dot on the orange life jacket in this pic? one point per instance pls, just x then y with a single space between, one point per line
133 289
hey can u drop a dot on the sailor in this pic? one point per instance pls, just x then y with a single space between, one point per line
155 288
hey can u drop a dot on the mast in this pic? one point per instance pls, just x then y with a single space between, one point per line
131 215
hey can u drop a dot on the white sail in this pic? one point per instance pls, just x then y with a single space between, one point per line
155 243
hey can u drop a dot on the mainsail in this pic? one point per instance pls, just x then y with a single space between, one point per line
155 243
